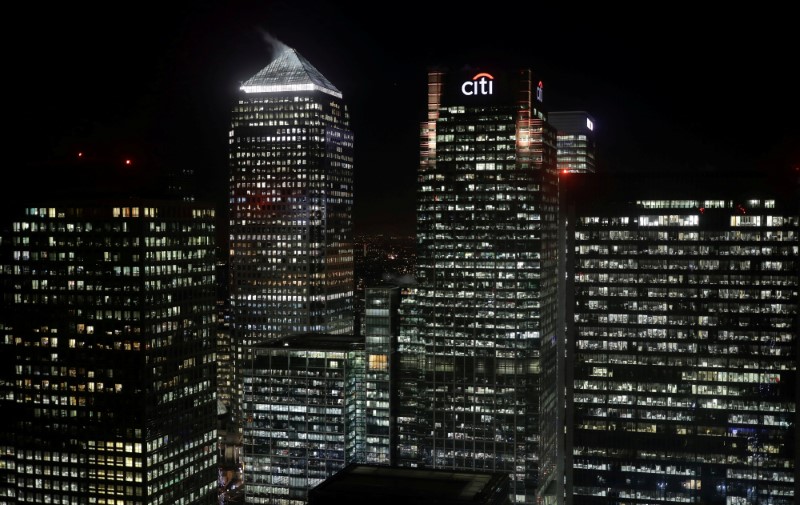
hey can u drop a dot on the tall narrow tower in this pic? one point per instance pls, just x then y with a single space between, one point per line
291 199
487 239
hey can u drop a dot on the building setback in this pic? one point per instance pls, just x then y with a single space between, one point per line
107 324
683 333
486 295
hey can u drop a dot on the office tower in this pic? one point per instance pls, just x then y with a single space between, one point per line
224 345
291 198
684 337
409 426
358 483
381 328
306 413
577 149
108 326
486 295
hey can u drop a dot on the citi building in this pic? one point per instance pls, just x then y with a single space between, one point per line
484 324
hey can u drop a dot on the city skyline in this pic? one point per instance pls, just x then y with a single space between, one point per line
204 195
158 85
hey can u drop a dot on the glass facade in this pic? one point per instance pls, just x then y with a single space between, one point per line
107 327
381 327
307 414
684 336
291 198
486 298
577 149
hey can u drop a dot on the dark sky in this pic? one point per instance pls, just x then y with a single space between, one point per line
670 87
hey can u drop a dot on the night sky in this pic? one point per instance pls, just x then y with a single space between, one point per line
670 88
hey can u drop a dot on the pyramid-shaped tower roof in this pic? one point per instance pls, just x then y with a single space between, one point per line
289 71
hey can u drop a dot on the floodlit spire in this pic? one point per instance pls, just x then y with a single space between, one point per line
289 72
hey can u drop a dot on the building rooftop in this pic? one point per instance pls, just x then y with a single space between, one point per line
410 486
317 341
289 71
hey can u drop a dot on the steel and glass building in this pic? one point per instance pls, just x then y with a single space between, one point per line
683 330
291 198
107 331
307 413
381 327
577 148
486 272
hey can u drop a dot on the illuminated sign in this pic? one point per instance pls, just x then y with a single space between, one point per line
540 91
589 124
481 84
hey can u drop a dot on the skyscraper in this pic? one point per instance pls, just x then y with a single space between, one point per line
107 325
577 148
487 239
684 334
291 198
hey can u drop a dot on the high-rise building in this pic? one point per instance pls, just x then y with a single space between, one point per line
577 148
486 294
291 198
224 345
107 327
683 324
381 329
307 410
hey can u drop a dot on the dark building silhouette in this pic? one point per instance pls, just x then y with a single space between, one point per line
363 484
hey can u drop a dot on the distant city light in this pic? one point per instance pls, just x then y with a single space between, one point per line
128 161
80 154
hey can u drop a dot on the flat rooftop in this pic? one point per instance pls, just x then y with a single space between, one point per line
392 485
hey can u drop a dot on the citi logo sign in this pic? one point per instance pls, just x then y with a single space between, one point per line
481 84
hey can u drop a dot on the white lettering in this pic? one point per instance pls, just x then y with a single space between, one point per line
468 88
482 86
589 124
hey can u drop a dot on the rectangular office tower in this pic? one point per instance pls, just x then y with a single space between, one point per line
684 339
306 413
291 199
577 149
487 239
381 327
107 324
